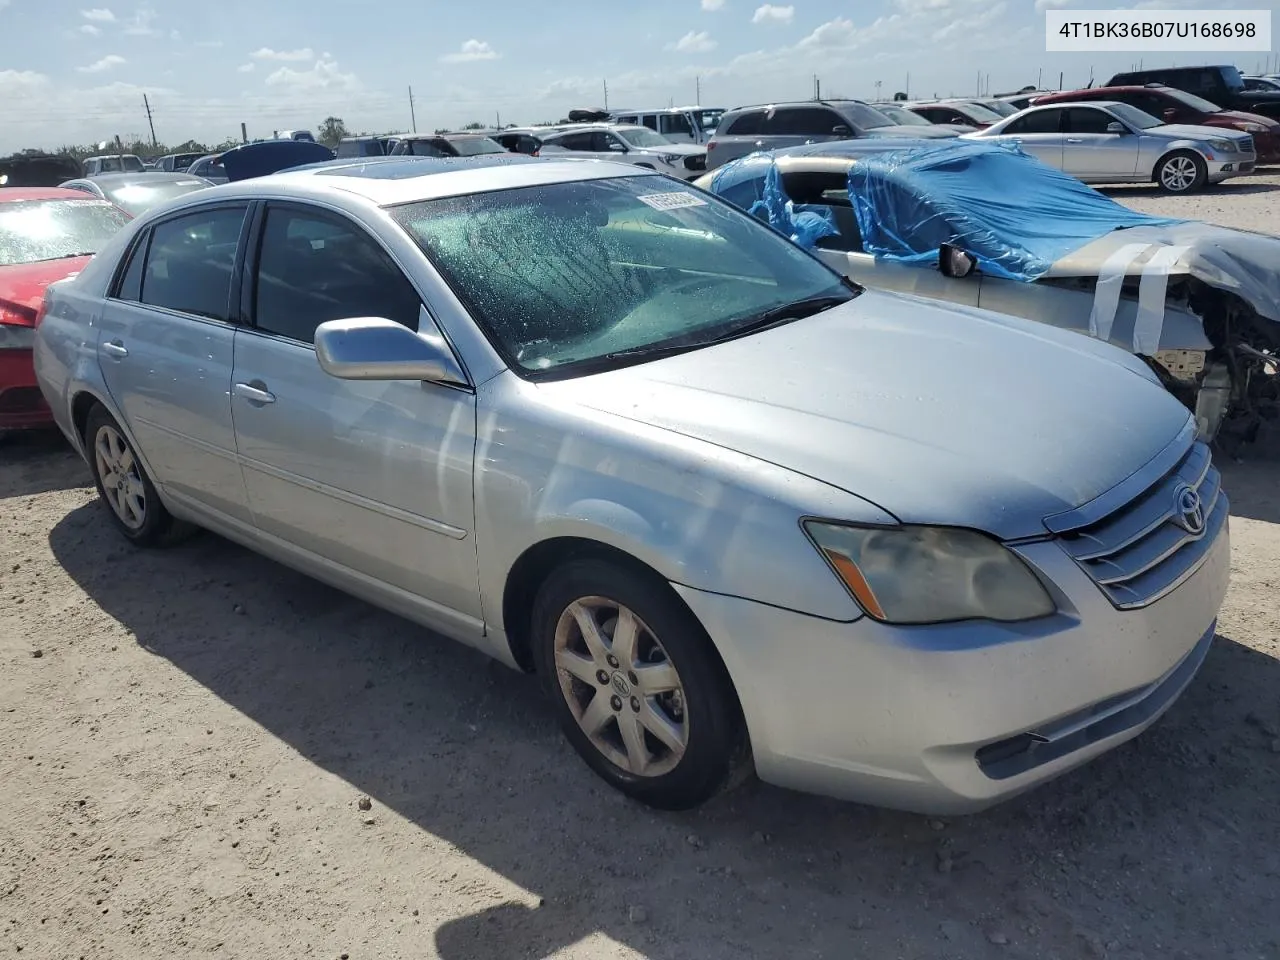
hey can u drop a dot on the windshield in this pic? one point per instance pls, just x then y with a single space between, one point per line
978 113
708 120
863 116
1192 101
1135 117
902 116
475 146
125 164
1002 108
642 137
35 230
137 198
564 277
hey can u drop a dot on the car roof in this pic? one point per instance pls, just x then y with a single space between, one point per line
109 180
13 194
395 180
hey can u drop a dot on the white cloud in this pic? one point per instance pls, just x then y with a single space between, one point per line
245 68
288 56
713 5
106 63
141 24
693 42
90 29
768 12
323 75
100 14
470 51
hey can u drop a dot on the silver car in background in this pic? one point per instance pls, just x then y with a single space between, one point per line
136 193
627 144
1101 141
599 424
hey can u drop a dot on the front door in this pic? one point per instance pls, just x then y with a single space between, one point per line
372 476
165 349
1038 133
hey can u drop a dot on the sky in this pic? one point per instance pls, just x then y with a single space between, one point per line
77 72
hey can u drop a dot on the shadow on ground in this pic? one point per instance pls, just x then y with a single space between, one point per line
1238 186
39 461
1155 850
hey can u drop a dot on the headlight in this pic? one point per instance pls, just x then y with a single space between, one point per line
917 574
1223 146
1253 128
671 158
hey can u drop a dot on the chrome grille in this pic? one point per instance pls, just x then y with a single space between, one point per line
1138 553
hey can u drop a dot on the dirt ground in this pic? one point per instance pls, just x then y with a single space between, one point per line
186 736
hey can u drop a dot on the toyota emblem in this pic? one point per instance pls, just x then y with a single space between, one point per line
1188 509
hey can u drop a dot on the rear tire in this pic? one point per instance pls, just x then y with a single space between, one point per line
124 487
1182 171
636 684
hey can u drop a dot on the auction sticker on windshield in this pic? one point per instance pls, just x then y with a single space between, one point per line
671 201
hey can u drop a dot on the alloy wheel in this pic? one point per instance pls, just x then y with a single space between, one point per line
621 686
1178 174
121 480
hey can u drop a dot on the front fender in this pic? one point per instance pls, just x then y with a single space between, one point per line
700 515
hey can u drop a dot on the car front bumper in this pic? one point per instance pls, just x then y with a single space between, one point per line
953 718
1231 165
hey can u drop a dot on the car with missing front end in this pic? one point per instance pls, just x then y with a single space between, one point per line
1199 303
731 507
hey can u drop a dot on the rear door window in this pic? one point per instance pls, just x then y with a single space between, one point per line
745 124
803 122
1042 121
675 125
1087 120
190 261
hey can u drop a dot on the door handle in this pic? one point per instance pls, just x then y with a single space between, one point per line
1074 140
114 348
255 392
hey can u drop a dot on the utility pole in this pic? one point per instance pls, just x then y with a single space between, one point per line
497 115
817 88
244 132
150 122
697 86
907 88
606 93
413 117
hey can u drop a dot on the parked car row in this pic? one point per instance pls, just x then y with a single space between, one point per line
733 507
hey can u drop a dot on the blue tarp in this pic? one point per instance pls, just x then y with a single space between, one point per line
803 224
1014 214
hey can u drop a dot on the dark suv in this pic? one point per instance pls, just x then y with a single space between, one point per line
745 130
1221 85
1178 106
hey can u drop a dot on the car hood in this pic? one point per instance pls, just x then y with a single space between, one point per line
936 132
937 414
1246 264
23 284
1240 116
675 149
1193 131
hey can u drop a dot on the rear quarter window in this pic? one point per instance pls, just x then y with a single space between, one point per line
746 124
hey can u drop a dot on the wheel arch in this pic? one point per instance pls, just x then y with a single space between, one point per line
83 400
1177 146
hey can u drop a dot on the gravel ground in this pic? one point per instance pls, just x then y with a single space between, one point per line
190 739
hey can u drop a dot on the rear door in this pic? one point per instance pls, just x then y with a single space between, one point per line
165 348
791 126
1038 133
374 478
1090 152
739 136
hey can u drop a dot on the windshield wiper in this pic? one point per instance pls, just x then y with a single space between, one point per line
796 310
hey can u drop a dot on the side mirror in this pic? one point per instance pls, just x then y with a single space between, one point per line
1169 114
954 262
374 348
1115 126
840 130
616 147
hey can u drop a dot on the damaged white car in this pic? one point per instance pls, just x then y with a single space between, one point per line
986 225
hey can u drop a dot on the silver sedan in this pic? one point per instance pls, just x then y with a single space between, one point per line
1100 141
733 509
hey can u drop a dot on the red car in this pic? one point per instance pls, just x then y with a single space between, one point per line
1176 106
46 234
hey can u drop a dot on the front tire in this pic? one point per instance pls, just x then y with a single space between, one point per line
636 684
124 487
1182 171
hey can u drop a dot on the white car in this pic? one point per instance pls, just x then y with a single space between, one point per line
636 145
1101 141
